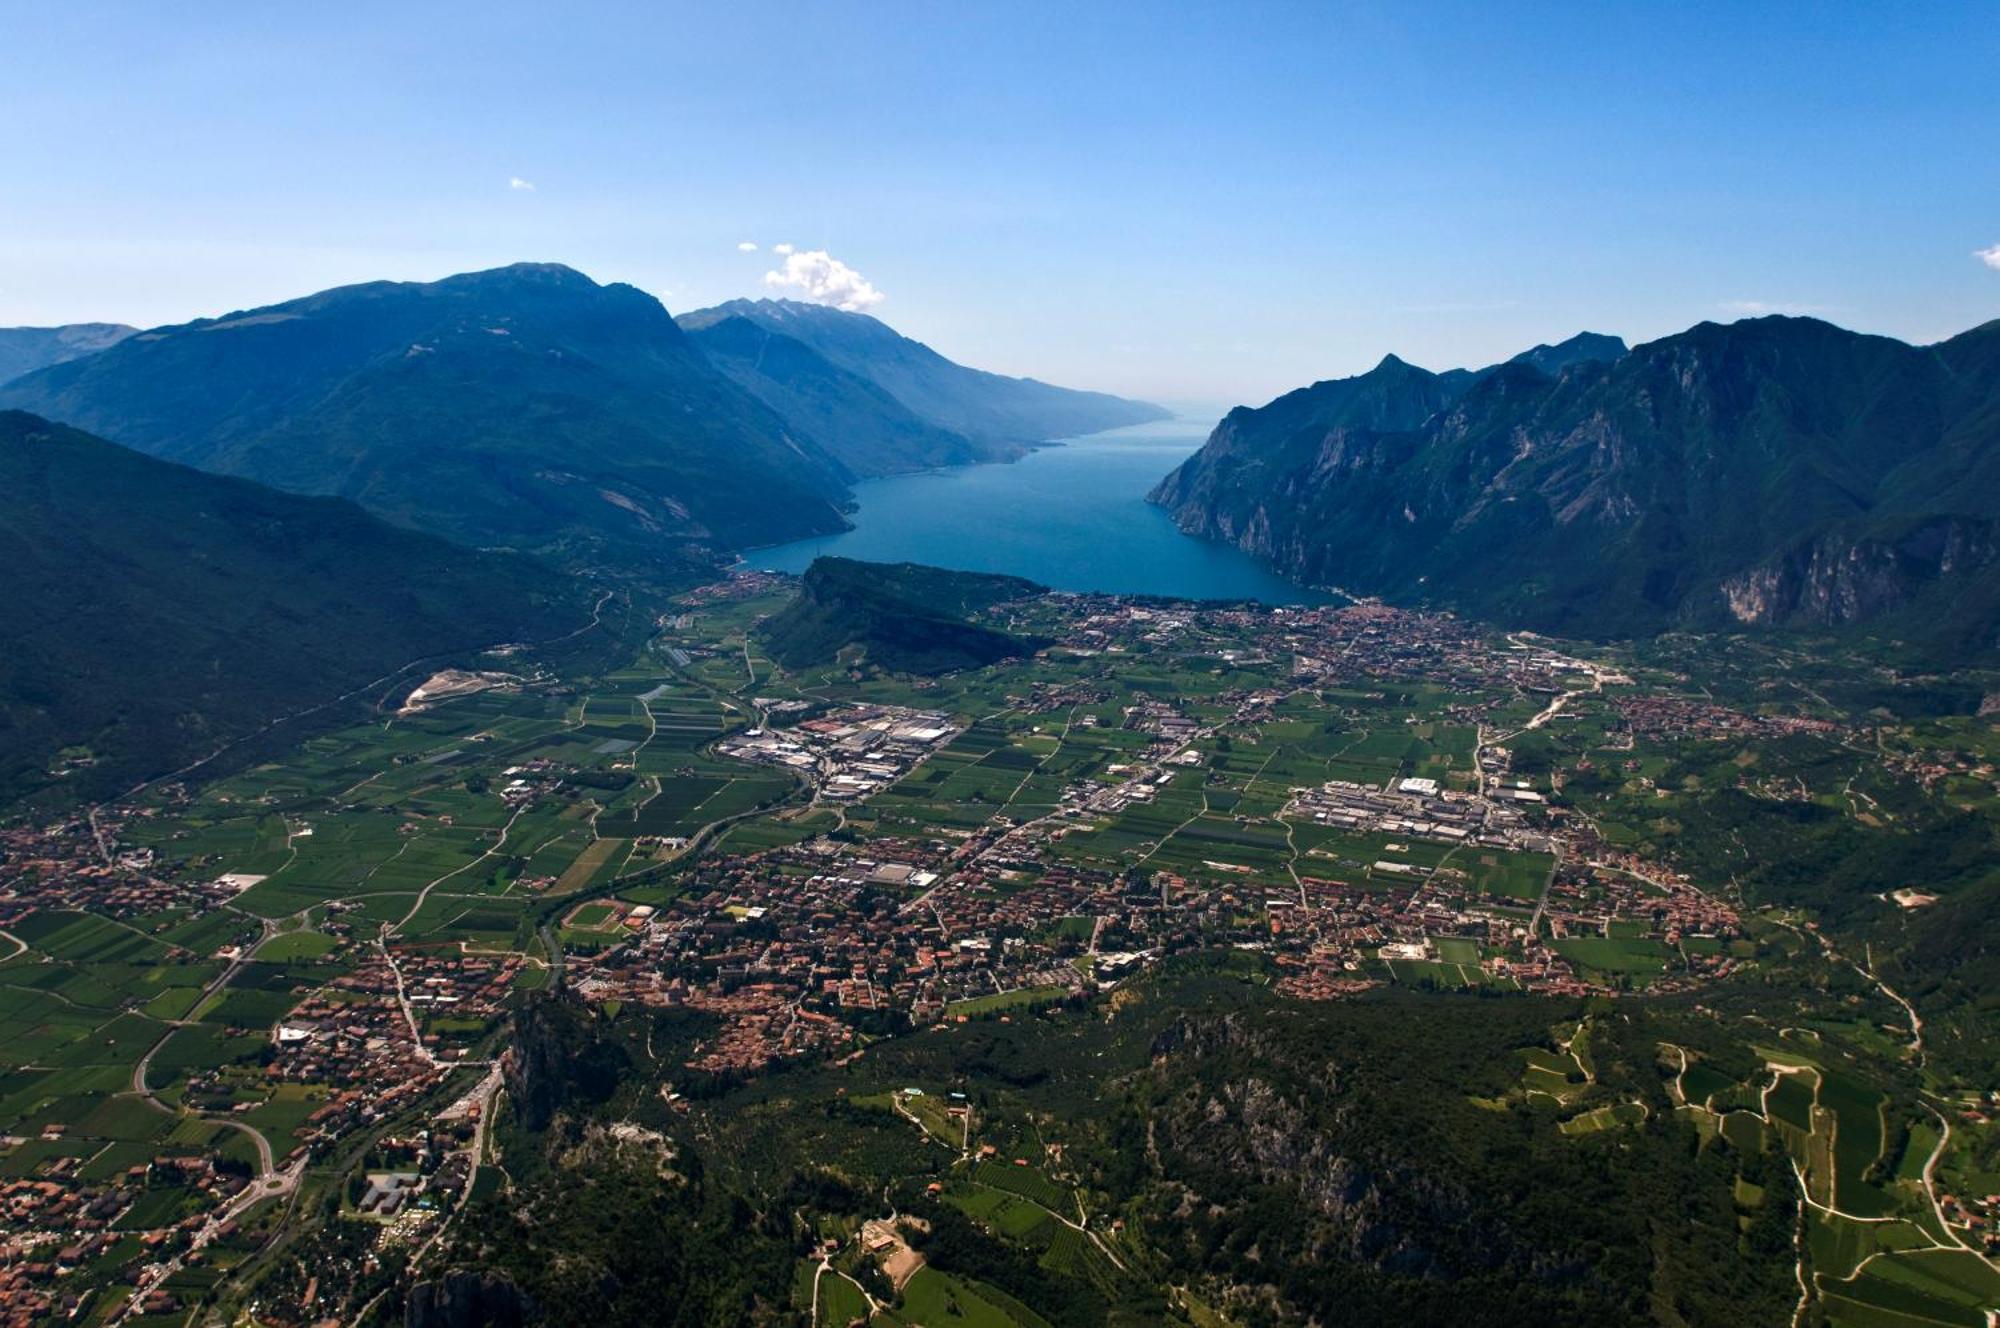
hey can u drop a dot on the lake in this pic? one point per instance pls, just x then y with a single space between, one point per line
1072 516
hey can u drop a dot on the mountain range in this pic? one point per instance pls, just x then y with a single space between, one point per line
525 406
531 408
25 349
1775 471
869 430
156 612
997 417
241 517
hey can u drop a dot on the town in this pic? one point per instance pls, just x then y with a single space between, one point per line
1357 797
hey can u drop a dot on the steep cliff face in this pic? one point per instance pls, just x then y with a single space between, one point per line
1777 471
1256 1122
1835 578
1335 1165
468 1300
1277 454
555 1061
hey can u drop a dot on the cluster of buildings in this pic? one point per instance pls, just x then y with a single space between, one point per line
1976 1214
849 752
59 1221
1420 809
359 1050
77 865
1686 717
796 949
1930 765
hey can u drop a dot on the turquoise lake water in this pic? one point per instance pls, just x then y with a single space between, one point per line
1072 516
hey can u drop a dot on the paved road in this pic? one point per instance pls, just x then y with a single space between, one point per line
266 1161
389 929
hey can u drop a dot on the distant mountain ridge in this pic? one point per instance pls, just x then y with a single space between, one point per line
868 430
157 612
25 349
1000 415
525 406
1583 348
1776 471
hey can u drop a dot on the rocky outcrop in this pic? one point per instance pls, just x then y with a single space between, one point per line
468 1300
1835 578
1249 1118
554 1061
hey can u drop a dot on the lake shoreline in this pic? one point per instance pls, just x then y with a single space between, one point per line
1070 514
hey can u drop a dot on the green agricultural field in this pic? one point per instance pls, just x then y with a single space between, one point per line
1790 1101
1858 1142
1605 1118
840 1301
296 945
1500 872
1007 1214
1432 973
1608 954
1703 1081
937 1298
1026 1182
1019 999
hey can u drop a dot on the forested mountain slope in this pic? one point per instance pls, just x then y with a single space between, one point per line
156 611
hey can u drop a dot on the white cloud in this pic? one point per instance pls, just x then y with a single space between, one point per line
747 247
781 249
517 184
823 279
1990 257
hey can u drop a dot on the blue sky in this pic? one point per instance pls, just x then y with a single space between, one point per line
1184 201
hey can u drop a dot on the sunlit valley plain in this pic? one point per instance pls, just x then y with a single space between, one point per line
685 786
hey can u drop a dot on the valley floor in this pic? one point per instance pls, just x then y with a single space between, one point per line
280 1033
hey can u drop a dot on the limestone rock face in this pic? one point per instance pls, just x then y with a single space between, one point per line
1778 472
467 1300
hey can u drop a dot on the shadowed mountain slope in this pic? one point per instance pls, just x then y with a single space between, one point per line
903 617
157 611
869 431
